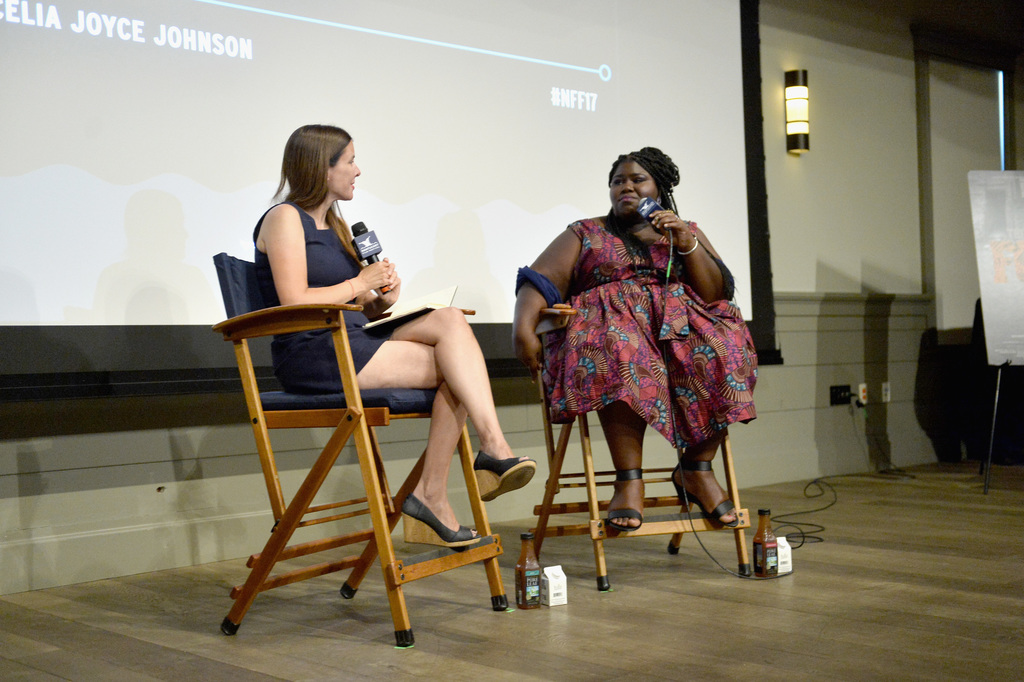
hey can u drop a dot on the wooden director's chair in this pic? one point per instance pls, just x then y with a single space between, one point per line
554 320
353 416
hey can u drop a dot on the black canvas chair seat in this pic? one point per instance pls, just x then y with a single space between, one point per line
396 400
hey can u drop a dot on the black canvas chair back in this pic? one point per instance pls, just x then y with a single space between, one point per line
238 285
241 292
353 419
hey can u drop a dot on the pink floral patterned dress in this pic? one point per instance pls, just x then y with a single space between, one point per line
687 367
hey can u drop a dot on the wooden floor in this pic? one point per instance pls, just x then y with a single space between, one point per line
918 576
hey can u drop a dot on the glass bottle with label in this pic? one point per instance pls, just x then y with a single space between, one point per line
527 575
766 548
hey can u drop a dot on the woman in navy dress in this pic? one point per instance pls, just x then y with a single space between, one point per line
304 255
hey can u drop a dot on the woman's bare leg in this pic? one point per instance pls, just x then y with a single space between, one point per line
403 364
703 484
427 356
446 420
449 352
624 431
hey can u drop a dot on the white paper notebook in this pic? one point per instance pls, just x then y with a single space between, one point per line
403 311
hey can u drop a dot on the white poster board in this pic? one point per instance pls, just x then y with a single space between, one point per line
997 209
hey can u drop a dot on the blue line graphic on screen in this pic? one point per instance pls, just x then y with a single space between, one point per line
604 71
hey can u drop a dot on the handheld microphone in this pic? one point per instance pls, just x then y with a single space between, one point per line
365 242
648 206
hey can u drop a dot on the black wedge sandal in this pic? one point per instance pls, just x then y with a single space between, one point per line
499 476
626 475
686 496
421 526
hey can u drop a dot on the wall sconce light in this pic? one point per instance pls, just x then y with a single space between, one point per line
798 129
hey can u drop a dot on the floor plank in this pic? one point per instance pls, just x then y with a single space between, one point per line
917 576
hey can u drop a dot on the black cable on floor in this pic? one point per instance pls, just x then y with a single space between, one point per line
804 529
689 515
820 486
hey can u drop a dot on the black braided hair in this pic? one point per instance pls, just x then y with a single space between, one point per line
665 174
661 167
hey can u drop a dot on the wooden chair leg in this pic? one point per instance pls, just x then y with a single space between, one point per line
743 559
555 462
674 542
285 528
499 600
597 526
556 456
366 559
382 536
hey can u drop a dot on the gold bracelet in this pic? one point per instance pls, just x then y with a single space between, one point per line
696 243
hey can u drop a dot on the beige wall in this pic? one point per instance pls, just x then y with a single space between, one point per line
843 217
847 254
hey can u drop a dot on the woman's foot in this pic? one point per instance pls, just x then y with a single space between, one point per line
625 509
420 525
698 481
499 476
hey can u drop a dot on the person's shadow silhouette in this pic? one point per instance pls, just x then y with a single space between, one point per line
152 284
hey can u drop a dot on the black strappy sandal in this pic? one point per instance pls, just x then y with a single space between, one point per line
686 496
626 475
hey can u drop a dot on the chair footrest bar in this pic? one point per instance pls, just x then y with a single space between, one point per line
335 505
565 530
583 508
335 517
314 546
670 523
442 559
298 574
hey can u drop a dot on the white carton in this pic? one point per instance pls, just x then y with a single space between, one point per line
552 586
785 556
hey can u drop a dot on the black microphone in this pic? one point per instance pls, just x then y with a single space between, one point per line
365 243
647 207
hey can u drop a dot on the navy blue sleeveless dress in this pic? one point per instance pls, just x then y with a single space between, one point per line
304 362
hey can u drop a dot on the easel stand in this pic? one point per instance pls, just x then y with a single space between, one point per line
986 467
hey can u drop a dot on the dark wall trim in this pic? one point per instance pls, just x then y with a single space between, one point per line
63 362
762 326
979 52
965 48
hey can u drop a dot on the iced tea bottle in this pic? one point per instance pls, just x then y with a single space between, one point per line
766 548
527 575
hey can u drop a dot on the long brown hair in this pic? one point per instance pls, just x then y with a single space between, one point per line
309 153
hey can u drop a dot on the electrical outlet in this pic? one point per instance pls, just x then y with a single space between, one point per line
839 395
862 393
886 392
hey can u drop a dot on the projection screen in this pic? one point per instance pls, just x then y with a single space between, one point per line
142 138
